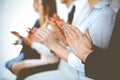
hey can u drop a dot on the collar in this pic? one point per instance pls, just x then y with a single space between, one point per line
71 6
101 4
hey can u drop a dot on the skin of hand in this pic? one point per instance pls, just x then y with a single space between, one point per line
16 42
27 41
80 43
31 32
15 33
47 37
32 35
57 24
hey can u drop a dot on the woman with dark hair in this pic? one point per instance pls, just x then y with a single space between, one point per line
46 10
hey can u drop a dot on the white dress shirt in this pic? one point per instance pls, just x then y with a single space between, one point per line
41 48
99 20
79 4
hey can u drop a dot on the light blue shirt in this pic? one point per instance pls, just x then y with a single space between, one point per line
99 20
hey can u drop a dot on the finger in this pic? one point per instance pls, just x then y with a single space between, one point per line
59 24
56 17
38 35
42 33
77 31
67 37
28 31
57 28
69 33
35 39
29 28
13 32
56 24
52 21
87 34
47 31
35 30
65 32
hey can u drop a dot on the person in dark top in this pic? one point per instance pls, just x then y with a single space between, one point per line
99 64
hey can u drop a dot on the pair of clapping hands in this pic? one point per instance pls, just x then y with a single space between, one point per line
27 40
80 43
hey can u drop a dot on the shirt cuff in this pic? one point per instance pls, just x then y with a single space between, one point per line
75 62
20 41
41 48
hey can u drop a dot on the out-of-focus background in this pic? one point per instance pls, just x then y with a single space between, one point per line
15 15
18 15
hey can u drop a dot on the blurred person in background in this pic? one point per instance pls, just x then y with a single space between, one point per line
100 64
44 56
23 55
100 27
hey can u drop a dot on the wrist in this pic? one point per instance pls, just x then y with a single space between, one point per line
86 55
60 51
53 46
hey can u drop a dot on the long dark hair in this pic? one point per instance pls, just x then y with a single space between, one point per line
51 4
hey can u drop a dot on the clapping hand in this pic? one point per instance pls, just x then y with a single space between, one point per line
16 33
58 26
80 43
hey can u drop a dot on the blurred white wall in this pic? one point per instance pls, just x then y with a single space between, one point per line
16 15
1 48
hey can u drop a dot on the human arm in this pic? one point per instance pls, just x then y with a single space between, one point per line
19 41
101 28
97 61
80 43
48 38
99 64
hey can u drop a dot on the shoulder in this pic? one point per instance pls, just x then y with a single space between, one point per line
107 10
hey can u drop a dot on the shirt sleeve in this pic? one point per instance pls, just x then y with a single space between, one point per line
41 48
101 28
98 64
20 41
75 62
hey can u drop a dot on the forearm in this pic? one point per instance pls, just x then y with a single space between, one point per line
97 62
60 51
83 57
